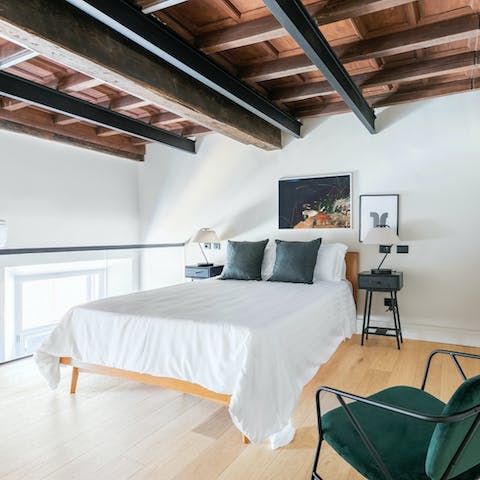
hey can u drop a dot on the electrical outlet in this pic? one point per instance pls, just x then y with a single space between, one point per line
217 246
402 248
387 302
208 246
384 248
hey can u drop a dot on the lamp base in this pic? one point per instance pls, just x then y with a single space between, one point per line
204 264
381 271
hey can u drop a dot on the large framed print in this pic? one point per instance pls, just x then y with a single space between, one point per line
316 202
376 211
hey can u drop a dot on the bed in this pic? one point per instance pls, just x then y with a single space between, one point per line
251 345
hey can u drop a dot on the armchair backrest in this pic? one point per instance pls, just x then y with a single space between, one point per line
447 437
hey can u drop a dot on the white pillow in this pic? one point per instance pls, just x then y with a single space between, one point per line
268 263
330 262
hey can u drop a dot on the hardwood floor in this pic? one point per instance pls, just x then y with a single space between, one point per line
114 429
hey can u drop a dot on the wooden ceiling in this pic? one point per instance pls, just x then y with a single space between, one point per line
23 117
395 50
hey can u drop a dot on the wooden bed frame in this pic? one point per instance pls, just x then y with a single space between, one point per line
351 260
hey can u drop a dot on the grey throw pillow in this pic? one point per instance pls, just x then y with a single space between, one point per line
244 260
295 261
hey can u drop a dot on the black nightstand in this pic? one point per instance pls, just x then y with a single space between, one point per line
195 272
374 282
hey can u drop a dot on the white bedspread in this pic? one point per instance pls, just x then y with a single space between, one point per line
260 342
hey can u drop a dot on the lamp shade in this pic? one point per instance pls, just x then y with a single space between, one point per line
205 235
3 233
381 236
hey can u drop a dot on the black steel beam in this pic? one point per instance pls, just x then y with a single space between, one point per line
159 40
295 19
35 94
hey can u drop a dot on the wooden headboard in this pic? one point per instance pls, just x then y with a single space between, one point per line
351 261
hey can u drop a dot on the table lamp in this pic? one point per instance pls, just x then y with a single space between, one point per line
205 235
385 237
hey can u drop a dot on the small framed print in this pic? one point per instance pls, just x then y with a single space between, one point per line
378 210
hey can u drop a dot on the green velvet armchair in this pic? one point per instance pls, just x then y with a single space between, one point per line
404 433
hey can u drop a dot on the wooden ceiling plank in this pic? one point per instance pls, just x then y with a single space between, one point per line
76 40
403 73
106 132
127 102
11 55
158 5
60 119
395 98
12 105
267 28
78 82
40 125
423 36
165 118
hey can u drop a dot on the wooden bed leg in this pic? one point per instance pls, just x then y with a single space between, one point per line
73 385
245 440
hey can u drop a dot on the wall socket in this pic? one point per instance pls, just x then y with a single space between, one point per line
402 248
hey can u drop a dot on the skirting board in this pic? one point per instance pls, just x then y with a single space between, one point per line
428 333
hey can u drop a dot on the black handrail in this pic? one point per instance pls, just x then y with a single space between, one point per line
87 248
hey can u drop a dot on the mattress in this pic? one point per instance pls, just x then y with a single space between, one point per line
259 342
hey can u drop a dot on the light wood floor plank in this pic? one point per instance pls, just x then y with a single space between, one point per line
113 429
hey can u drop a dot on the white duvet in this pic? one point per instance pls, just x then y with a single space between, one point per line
260 342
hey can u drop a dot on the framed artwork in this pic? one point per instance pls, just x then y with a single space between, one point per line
316 202
377 210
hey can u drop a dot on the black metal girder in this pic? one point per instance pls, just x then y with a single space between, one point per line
33 93
159 40
295 19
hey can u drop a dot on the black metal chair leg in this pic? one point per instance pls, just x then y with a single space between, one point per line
315 475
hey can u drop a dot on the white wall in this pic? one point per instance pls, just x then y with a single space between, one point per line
428 152
54 194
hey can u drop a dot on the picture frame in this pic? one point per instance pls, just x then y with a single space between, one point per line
316 202
378 209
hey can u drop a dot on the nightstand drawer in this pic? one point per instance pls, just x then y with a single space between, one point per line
203 271
197 272
369 281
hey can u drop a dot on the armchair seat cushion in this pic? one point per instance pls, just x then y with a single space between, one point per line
402 442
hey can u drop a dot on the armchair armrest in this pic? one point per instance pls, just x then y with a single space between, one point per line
395 409
453 355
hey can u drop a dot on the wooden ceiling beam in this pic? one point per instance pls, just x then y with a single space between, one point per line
78 82
268 28
60 119
166 45
12 105
425 36
394 98
11 55
165 118
40 124
58 102
404 73
77 41
158 5
127 102
297 22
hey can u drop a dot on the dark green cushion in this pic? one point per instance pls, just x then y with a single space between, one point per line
244 260
447 437
401 442
295 261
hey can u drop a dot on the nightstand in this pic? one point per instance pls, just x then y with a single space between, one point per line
201 272
390 283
